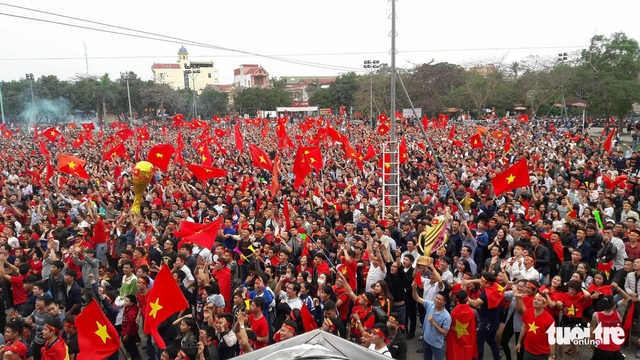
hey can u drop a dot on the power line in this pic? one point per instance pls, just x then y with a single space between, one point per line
299 54
161 38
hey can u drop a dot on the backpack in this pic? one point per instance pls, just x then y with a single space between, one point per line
380 314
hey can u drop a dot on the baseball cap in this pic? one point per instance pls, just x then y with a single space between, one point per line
18 348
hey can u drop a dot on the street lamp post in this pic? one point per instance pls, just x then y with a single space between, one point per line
125 75
372 65
33 102
561 59
193 71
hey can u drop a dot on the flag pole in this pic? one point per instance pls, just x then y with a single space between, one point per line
435 157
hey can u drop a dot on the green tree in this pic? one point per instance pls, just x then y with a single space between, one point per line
343 90
212 102
250 100
611 66
321 98
161 98
279 83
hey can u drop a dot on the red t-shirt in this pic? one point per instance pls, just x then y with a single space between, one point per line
575 305
367 320
18 291
99 233
260 328
536 339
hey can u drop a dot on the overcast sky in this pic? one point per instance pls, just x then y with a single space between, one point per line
335 35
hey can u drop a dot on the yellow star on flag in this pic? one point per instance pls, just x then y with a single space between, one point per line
262 160
533 327
159 155
201 148
461 329
360 158
102 332
306 152
155 307
571 310
204 158
72 165
387 165
312 160
207 170
510 179
475 142
53 133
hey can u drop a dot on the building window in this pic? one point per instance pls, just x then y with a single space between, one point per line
209 74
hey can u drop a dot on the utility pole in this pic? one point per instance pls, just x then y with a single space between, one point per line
372 65
33 101
86 58
125 75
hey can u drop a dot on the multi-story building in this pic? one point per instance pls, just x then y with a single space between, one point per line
185 73
251 76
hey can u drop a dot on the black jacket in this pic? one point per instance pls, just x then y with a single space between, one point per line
398 347
542 256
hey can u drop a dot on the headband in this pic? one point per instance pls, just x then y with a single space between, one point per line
142 280
530 258
366 299
530 284
51 328
395 321
292 316
381 334
331 324
290 328
484 279
69 324
538 296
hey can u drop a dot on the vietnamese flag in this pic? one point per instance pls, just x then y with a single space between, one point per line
118 150
425 122
274 178
457 143
461 340
206 236
259 158
301 168
160 156
49 172
206 172
219 132
78 142
287 214
516 176
43 149
627 321
142 133
507 144
165 299
72 126
452 132
51 134
308 322
523 118
476 142
497 134
187 228
88 127
371 153
72 165
207 159
177 120
97 337
494 294
606 267
239 138
418 280
609 142
383 129
402 151
124 134
313 156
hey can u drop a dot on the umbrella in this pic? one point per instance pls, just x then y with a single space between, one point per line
519 108
579 104
453 110
558 105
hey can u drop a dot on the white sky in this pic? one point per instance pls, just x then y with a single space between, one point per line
338 33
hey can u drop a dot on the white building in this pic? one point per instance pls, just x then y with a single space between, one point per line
185 73
251 76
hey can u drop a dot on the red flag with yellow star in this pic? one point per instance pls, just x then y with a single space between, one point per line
260 158
165 299
160 156
383 129
402 151
476 142
72 165
51 134
512 178
97 337
313 156
461 340
206 172
301 168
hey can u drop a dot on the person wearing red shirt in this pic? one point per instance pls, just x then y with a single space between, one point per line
258 323
608 318
553 294
573 303
17 282
533 335
362 316
130 326
54 347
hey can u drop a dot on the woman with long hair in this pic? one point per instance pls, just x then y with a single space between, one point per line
584 271
599 289
573 303
384 299
304 265
462 268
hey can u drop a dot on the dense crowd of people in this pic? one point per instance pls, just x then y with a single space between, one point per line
562 251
